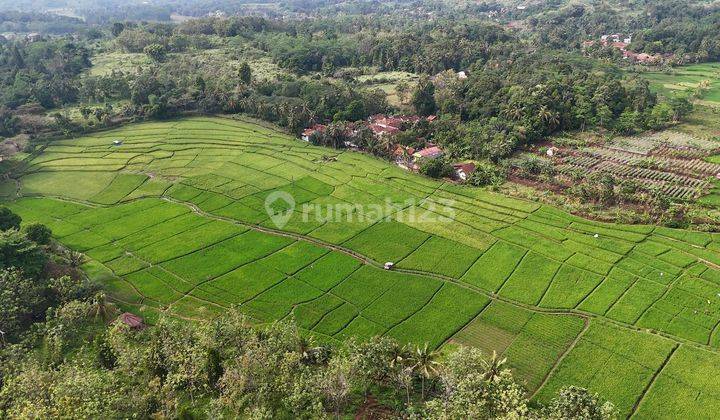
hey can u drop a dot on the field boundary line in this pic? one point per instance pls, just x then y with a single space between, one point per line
423 306
652 381
560 359
517 264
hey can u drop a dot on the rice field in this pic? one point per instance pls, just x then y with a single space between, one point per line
180 218
678 81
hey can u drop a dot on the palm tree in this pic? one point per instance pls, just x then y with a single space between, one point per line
514 111
101 308
75 259
399 355
425 364
494 366
548 117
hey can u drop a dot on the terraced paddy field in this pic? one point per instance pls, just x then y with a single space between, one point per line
680 79
177 220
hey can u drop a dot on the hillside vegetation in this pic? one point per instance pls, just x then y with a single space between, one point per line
174 221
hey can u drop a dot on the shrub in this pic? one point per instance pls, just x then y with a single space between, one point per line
8 219
38 233
487 174
436 168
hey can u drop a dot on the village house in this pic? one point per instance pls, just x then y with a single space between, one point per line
614 41
432 152
317 128
464 170
132 321
403 157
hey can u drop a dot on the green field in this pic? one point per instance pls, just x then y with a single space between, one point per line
678 80
174 221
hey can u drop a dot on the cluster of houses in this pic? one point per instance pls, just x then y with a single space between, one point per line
620 42
405 157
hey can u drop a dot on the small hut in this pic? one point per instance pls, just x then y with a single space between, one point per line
132 321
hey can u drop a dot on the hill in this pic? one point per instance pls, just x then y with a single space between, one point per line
192 216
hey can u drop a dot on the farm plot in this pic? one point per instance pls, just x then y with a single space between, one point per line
684 388
679 81
670 160
531 341
176 221
606 360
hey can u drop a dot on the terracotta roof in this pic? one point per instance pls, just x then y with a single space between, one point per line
317 127
383 129
467 167
399 149
433 151
131 320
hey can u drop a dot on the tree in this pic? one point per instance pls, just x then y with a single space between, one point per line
578 403
423 99
436 168
8 219
402 88
21 302
423 362
474 388
335 384
661 115
9 123
245 73
101 308
17 251
155 51
38 233
117 28
486 174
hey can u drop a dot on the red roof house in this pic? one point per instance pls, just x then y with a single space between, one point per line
429 153
317 128
132 321
464 170
382 130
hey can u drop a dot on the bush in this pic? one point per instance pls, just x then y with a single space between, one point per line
436 168
38 233
487 174
8 219
19 252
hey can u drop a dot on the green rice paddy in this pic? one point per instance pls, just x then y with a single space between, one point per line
174 221
678 80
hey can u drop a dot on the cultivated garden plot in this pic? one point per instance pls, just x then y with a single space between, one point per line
673 161
182 217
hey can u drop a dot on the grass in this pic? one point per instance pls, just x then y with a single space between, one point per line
482 278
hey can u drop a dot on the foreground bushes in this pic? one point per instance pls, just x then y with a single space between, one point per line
229 368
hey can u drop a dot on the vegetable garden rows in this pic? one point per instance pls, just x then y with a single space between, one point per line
174 220
677 170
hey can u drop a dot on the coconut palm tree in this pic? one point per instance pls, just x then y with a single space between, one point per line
75 259
100 307
424 363
494 366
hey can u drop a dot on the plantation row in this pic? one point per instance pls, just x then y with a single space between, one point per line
175 220
629 165
691 167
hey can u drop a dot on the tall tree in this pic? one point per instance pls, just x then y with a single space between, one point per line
423 99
